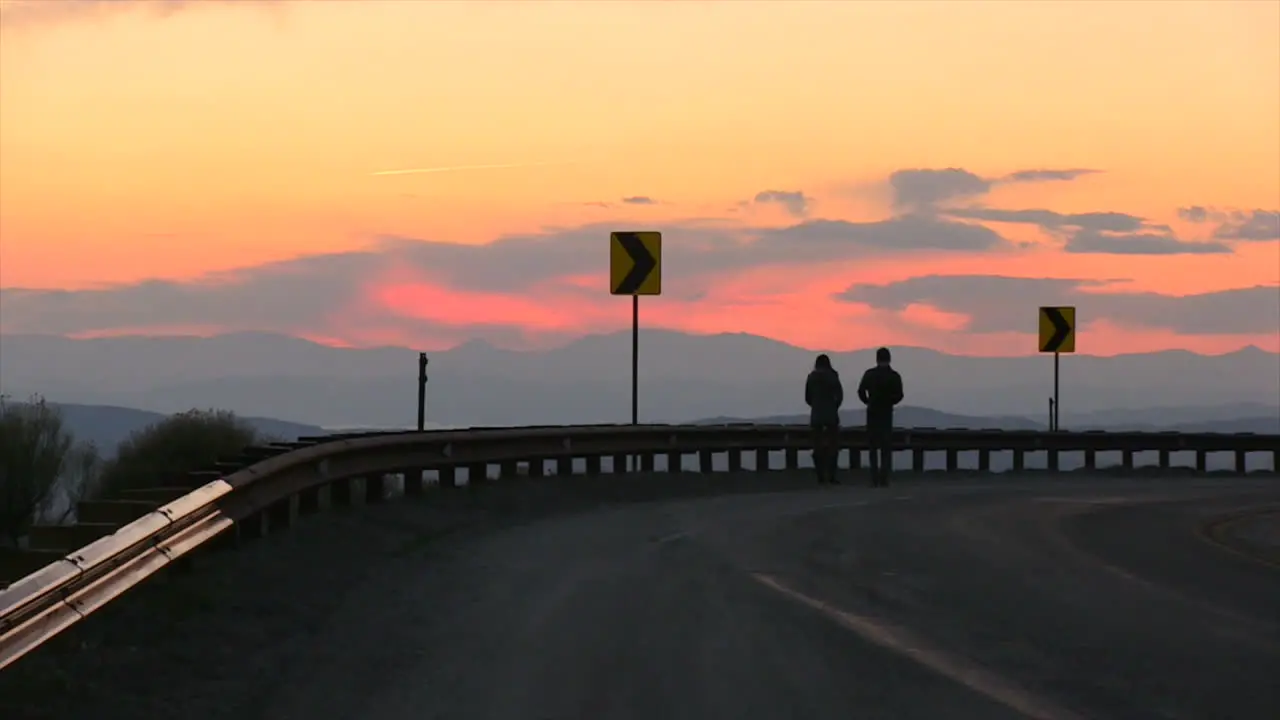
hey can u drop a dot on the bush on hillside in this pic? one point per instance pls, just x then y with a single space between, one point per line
163 452
40 464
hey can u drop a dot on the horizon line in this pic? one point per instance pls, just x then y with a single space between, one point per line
587 336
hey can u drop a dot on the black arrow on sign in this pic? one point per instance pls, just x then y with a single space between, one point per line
1061 329
642 261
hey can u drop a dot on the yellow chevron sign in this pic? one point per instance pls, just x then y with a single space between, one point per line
1058 329
635 263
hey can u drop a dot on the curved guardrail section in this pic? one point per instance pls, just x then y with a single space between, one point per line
281 480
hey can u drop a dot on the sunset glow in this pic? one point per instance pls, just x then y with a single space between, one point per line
372 172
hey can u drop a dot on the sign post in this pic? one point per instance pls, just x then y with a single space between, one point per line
422 391
1057 335
635 269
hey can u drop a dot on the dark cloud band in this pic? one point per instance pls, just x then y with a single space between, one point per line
997 303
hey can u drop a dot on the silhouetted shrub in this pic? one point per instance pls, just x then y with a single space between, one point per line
38 458
164 452
81 480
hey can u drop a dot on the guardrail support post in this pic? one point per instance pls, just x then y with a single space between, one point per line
477 474
953 460
1090 459
508 469
705 459
1053 459
375 488
855 458
1202 461
1019 460
762 459
593 465
1242 466
324 497
309 500
917 459
284 514
646 462
412 481
537 467
1126 459
675 461
619 462
340 492
447 476
1275 461
735 460
984 460
255 526
564 465
1164 459
792 458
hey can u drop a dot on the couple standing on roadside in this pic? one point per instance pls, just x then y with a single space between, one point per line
880 390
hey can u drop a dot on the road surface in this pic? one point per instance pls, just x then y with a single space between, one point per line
928 599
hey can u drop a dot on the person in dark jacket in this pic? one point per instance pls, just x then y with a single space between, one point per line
824 394
880 390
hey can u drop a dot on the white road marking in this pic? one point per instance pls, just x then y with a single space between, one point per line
903 643
671 538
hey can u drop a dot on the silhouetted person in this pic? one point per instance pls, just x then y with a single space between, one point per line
880 390
824 394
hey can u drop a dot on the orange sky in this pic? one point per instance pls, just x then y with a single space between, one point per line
167 140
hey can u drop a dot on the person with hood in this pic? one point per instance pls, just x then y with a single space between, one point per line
880 390
824 394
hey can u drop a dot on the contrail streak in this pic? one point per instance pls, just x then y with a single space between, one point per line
452 168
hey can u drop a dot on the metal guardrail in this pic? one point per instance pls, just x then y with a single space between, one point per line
278 480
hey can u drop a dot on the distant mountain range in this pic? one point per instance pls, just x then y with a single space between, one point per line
682 377
1247 417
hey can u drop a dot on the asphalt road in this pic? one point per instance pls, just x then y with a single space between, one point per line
942 599
926 600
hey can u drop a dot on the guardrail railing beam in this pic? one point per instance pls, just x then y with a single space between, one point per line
122 542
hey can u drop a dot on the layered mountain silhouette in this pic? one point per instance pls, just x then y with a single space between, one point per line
683 378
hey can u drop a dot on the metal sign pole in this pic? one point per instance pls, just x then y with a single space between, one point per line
635 359
1057 402
422 391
